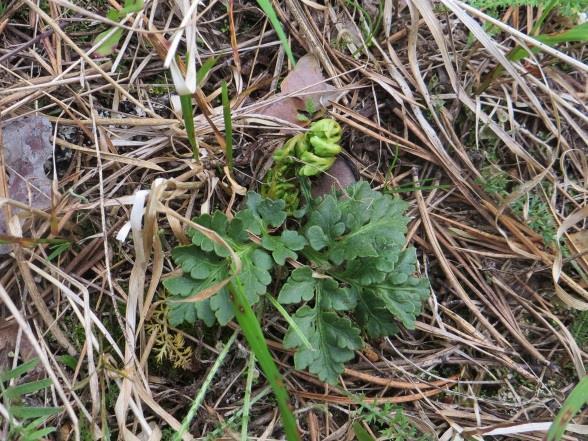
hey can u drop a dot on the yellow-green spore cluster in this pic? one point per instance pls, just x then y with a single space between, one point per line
306 154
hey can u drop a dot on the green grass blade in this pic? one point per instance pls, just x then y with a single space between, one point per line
36 423
204 69
268 9
254 335
131 6
234 419
24 412
360 433
290 321
204 388
38 434
228 125
19 370
187 114
571 406
58 250
546 11
576 34
27 388
107 46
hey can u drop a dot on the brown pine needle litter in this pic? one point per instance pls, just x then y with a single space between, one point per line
496 181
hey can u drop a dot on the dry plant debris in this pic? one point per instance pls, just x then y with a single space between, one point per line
496 184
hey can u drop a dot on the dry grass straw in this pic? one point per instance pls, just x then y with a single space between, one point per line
493 348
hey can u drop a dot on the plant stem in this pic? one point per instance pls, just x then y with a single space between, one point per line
202 392
187 113
228 125
254 335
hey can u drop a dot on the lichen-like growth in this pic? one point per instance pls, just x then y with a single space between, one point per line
169 345
27 145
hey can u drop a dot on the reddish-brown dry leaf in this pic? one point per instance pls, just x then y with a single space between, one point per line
339 176
305 82
27 145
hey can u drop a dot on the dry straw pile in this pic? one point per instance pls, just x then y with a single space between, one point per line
495 173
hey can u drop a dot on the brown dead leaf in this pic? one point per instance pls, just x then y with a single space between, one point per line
580 242
286 109
305 82
8 336
339 176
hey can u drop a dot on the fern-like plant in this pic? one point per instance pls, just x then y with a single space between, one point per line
357 278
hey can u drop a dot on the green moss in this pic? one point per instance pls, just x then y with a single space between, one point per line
579 329
531 208
390 422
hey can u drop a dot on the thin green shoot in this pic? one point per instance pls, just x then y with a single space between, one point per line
370 29
390 170
24 412
247 397
254 335
547 9
110 38
187 114
204 70
290 321
204 388
58 248
268 9
29 242
228 125
234 419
